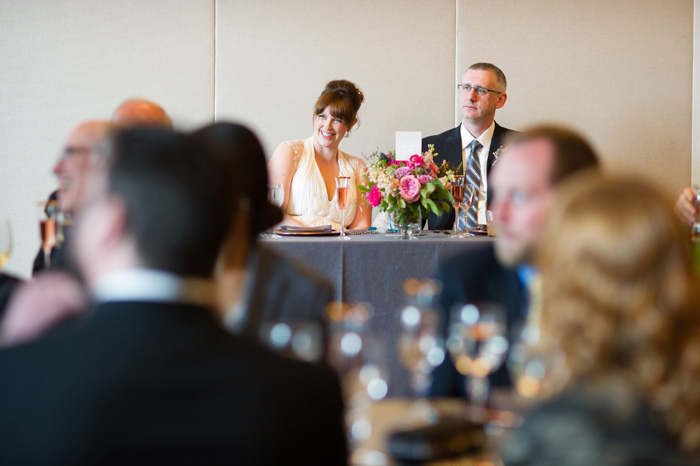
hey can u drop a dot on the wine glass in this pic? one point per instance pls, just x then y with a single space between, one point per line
299 340
420 345
357 354
47 228
342 186
275 195
457 191
478 345
529 364
468 199
5 241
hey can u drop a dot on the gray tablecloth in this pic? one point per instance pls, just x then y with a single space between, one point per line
371 268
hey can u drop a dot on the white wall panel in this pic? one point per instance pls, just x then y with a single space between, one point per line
620 72
64 62
274 59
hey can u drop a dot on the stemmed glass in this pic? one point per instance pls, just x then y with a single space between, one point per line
47 228
275 195
457 191
299 340
358 357
5 241
529 365
478 345
469 197
420 345
342 186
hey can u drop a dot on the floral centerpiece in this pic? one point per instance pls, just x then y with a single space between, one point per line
410 189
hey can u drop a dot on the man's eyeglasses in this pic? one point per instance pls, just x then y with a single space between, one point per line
482 91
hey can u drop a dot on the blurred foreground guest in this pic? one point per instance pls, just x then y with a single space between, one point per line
8 283
152 377
71 170
75 161
40 305
621 306
522 188
307 169
142 112
256 285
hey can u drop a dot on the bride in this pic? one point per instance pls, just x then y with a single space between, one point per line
307 169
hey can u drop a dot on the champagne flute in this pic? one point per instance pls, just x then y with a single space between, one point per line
47 228
342 186
457 191
275 195
5 241
470 196
478 345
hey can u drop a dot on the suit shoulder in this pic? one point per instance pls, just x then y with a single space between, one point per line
438 137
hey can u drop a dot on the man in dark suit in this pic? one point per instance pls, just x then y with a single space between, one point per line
481 92
151 377
522 185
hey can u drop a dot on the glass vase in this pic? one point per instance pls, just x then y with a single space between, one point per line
406 222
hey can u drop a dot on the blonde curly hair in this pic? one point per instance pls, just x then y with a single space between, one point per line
619 296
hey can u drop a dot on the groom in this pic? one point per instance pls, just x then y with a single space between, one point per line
481 92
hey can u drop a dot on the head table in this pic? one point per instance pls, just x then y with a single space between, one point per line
371 268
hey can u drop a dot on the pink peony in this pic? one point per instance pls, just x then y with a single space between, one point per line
424 179
401 172
374 197
416 161
409 188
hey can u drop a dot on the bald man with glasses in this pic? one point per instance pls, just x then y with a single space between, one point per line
476 142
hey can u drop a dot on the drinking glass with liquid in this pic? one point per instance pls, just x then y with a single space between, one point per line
695 230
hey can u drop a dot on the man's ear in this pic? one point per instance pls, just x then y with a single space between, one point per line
502 97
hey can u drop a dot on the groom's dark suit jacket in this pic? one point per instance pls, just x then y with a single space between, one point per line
163 383
472 276
448 146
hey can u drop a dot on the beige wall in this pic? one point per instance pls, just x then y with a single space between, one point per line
619 71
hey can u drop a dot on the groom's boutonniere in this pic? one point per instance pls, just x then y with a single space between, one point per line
496 154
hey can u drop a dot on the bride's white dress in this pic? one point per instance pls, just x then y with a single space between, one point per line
308 198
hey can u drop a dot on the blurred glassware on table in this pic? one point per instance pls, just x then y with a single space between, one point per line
363 368
5 241
299 340
528 364
420 345
477 341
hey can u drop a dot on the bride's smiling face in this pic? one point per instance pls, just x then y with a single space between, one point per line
329 130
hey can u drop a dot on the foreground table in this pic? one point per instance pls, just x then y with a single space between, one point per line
371 269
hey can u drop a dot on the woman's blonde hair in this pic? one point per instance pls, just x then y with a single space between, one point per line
619 298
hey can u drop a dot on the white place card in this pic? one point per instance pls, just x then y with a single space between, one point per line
408 143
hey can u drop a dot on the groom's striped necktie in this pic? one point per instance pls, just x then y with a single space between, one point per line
473 176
